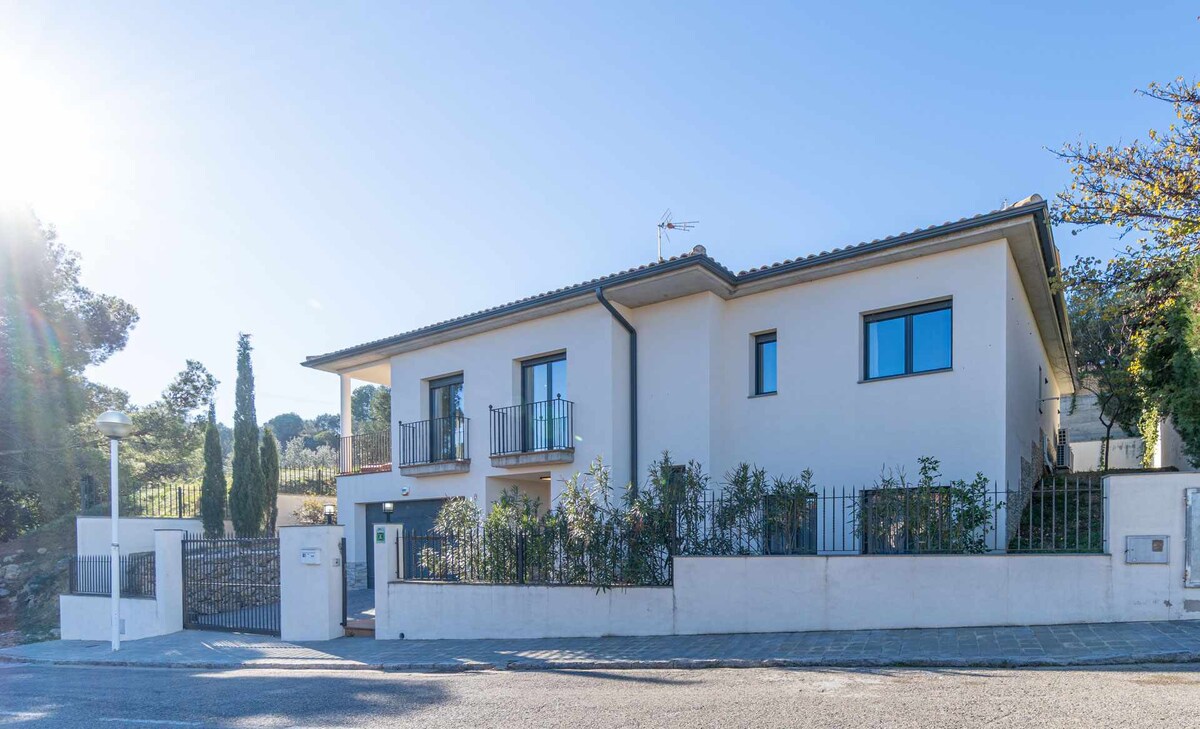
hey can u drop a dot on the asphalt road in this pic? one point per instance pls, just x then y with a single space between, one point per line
1160 696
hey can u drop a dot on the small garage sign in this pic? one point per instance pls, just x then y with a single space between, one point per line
379 536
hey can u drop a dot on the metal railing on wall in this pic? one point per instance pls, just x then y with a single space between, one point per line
1055 516
91 574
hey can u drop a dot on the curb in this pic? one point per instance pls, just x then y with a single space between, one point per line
659 664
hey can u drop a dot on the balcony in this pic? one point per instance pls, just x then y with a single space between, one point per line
533 433
365 453
433 447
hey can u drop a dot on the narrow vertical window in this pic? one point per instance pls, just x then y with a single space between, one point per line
764 364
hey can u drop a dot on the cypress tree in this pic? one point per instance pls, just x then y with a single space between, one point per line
270 468
212 489
246 496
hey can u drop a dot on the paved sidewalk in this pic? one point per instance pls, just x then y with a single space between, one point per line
1054 645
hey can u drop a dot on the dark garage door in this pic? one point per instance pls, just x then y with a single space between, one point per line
416 516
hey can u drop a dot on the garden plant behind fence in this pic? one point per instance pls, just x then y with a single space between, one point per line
1054 516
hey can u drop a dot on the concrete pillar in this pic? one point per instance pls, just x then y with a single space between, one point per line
310 582
347 414
385 538
168 579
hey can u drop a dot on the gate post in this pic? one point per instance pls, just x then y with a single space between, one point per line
389 555
168 579
310 582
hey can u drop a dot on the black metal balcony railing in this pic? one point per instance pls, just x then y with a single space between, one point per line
365 453
546 425
439 440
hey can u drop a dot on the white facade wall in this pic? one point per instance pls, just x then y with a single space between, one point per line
803 593
695 372
597 382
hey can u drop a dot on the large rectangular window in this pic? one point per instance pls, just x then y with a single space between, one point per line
764 364
545 410
907 341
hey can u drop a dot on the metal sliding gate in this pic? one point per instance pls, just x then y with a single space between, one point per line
231 584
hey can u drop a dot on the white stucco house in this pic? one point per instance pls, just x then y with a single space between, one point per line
945 341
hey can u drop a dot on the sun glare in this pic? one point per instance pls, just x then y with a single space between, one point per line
50 154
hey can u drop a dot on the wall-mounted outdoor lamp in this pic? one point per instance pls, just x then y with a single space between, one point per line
388 508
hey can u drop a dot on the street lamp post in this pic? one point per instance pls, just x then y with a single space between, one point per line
115 426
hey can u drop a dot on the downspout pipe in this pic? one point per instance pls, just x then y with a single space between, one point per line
633 419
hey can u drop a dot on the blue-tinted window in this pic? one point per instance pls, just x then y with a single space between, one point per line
906 341
764 364
931 341
885 348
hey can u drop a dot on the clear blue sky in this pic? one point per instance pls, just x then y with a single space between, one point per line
323 174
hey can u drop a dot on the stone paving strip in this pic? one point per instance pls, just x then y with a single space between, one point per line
997 647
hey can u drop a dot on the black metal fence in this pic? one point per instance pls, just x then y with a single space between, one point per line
1052 517
231 584
309 481
365 453
438 440
91 574
545 425
613 554
164 502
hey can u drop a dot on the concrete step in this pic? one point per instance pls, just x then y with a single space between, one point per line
360 628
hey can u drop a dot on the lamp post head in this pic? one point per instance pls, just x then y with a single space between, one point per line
114 424
330 510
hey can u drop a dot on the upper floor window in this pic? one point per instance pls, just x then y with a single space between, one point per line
764 364
446 397
544 378
907 341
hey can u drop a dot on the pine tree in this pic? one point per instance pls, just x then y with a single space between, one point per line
246 496
270 468
212 489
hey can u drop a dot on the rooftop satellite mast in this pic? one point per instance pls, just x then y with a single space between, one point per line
666 225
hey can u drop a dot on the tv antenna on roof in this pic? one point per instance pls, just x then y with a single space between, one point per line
666 225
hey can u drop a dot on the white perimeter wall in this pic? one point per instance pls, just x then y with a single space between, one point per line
511 611
88 617
93 534
768 594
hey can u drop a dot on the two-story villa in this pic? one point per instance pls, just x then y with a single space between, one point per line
947 341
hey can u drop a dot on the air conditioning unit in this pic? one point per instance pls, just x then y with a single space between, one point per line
1063 459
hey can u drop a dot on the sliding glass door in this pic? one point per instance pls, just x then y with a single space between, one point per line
545 423
446 422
